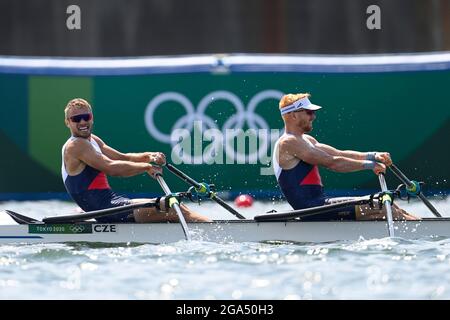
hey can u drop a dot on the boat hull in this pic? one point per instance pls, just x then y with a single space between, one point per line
222 231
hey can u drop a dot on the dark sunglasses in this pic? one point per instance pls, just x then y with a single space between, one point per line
308 112
85 116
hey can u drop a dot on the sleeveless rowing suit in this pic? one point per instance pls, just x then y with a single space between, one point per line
91 191
302 187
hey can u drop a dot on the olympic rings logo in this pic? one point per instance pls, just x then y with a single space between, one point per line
77 228
241 116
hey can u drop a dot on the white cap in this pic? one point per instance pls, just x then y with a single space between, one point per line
302 103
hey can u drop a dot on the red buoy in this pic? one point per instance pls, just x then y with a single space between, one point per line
244 200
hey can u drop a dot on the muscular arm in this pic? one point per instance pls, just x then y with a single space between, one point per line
356 155
309 153
113 154
82 150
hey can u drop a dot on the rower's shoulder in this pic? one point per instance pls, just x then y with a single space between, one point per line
76 145
289 139
291 144
99 141
285 141
310 138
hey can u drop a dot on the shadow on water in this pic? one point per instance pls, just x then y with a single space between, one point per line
104 245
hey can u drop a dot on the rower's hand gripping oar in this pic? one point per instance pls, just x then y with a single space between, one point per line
203 189
413 188
173 203
387 201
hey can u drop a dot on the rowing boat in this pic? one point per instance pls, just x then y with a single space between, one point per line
222 231
291 226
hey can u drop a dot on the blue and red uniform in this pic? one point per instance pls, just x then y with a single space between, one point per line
302 186
91 191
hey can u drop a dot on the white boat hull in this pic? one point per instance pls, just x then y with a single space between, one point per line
222 231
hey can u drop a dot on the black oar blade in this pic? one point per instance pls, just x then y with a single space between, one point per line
21 219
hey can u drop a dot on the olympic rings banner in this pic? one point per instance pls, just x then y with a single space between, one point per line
218 118
197 119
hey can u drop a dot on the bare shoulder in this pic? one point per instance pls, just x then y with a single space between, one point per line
77 146
291 141
98 140
310 139
287 139
293 147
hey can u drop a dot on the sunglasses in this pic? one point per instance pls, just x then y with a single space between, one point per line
308 112
85 116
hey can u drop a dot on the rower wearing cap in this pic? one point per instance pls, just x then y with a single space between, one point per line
297 157
87 160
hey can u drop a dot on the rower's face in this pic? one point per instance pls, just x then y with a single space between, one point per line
80 122
305 119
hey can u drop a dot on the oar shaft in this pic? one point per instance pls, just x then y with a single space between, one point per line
226 206
183 176
198 185
401 176
388 205
176 207
429 205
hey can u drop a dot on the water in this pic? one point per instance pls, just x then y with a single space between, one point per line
364 269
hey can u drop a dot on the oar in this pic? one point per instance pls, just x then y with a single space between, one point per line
98 213
174 204
200 187
387 202
411 186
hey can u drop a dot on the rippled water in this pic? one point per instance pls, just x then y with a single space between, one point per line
364 269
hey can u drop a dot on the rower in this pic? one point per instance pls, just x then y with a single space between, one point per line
298 156
87 160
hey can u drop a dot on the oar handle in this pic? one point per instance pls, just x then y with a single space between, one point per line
175 206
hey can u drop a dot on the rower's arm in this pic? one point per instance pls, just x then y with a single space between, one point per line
82 150
356 155
113 154
309 153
